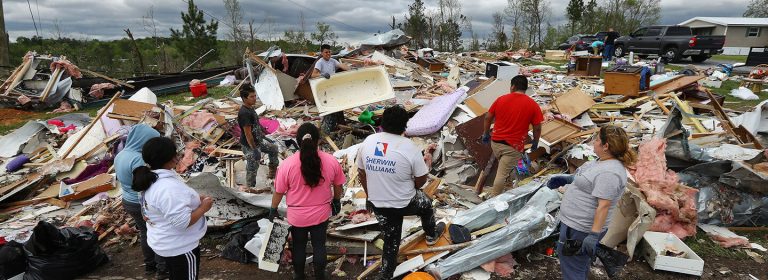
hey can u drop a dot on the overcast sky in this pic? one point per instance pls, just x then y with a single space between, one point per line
352 20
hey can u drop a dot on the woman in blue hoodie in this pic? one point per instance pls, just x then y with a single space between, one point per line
174 212
125 162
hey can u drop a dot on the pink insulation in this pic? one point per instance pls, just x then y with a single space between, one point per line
675 204
728 242
504 266
189 156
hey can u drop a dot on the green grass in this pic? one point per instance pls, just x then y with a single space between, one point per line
733 102
730 58
183 98
706 248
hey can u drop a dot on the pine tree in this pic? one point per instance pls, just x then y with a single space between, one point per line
196 36
574 11
415 23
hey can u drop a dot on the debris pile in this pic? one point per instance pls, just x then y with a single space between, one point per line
60 170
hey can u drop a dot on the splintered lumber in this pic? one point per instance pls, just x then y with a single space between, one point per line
452 247
90 125
20 75
51 83
687 110
487 230
108 78
407 242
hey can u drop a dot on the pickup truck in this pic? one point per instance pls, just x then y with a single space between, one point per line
672 42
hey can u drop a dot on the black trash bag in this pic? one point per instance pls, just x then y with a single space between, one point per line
612 260
12 260
235 248
66 253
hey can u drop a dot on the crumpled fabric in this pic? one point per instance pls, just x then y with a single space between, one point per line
91 171
64 107
504 266
189 156
71 69
97 90
198 119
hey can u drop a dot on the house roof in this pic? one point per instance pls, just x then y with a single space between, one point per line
730 21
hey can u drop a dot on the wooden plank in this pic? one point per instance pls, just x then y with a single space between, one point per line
677 84
487 230
130 108
90 125
405 243
357 234
687 109
17 78
452 247
431 188
108 78
55 76
330 142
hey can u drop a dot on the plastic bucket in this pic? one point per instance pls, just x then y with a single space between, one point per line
198 90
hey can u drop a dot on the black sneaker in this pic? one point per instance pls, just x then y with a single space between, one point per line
439 229
162 275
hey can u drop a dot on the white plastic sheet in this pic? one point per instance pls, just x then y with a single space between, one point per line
529 225
744 94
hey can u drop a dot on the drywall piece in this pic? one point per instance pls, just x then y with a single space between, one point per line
350 89
272 247
226 207
408 266
14 142
19 185
631 220
653 250
573 103
483 99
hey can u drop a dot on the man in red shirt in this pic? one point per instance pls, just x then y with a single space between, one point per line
513 113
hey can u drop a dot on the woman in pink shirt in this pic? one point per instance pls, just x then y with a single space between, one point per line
305 178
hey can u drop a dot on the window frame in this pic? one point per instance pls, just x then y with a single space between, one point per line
756 33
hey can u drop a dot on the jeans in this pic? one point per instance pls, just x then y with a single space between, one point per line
608 52
506 172
391 224
253 156
185 266
151 260
574 267
317 234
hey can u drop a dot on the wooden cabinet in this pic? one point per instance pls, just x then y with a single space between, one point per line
588 66
431 64
624 80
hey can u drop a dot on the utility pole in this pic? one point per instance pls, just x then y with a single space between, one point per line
4 45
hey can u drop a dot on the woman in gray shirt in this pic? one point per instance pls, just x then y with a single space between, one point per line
590 197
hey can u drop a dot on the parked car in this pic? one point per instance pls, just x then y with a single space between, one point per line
582 42
673 42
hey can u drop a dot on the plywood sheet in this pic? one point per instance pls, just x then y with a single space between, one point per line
469 134
130 108
677 84
573 102
557 130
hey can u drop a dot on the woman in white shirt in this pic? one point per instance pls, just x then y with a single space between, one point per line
174 212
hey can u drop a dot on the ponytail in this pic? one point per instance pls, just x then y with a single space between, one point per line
311 166
618 144
156 153
143 177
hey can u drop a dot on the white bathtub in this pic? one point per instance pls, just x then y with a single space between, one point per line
350 89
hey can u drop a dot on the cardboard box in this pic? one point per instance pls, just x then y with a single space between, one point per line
653 245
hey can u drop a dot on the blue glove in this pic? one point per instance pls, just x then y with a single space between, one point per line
589 244
560 180
273 214
486 138
327 76
534 145
335 207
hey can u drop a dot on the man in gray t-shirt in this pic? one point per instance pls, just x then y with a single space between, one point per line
595 179
326 66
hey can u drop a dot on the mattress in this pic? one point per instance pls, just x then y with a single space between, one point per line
433 116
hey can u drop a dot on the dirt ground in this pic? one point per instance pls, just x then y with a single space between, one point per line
14 116
126 264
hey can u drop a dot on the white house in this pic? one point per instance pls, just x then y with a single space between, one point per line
740 33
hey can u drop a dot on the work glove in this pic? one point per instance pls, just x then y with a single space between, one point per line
335 206
534 145
559 180
589 244
486 138
327 76
273 214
